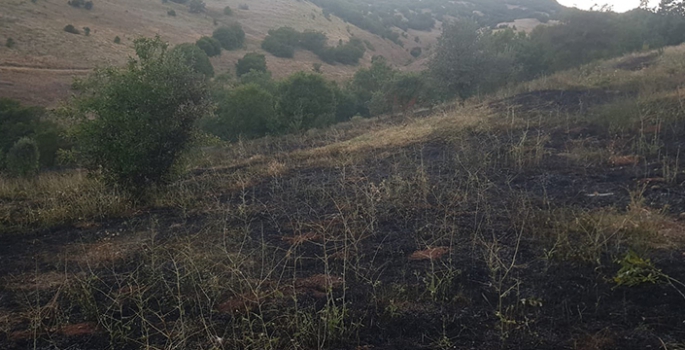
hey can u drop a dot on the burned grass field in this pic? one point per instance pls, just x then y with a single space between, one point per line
525 221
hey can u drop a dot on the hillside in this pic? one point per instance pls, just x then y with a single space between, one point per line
40 67
547 216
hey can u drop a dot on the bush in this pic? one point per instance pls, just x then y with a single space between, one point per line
117 40
137 121
171 13
228 11
10 43
195 58
250 62
416 52
277 48
261 79
17 122
88 5
71 29
86 31
22 158
246 111
196 6
313 41
244 7
306 100
209 45
231 38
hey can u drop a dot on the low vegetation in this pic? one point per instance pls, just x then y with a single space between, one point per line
241 212
231 37
283 42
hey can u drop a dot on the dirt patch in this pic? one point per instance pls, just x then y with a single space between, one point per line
429 254
570 101
637 63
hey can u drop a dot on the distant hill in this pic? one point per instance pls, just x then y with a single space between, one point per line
39 67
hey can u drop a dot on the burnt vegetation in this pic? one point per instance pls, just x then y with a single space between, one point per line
538 203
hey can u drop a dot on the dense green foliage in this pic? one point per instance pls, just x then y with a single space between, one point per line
209 45
305 100
283 42
469 59
250 62
228 11
195 58
17 122
231 38
22 158
136 122
245 111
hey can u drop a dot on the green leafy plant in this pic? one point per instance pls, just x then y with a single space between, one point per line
250 62
171 13
231 38
10 43
636 270
23 158
136 122
195 58
209 45
117 40
228 11
71 29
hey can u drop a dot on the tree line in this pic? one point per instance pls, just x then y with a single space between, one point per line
130 125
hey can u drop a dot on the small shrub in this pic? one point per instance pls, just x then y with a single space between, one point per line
88 5
117 40
196 6
228 11
23 158
244 7
171 13
250 62
209 45
417 39
71 29
86 31
195 58
277 48
10 43
416 52
317 67
231 38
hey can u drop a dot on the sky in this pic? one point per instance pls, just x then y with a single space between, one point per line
619 5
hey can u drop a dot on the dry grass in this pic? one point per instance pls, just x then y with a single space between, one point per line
39 69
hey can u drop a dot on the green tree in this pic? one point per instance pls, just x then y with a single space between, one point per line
246 111
195 58
369 81
228 11
466 60
261 79
231 38
250 62
306 100
137 121
209 45
22 158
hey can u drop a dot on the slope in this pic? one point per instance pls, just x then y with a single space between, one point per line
547 217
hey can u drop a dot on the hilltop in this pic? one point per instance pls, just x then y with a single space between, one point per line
40 66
